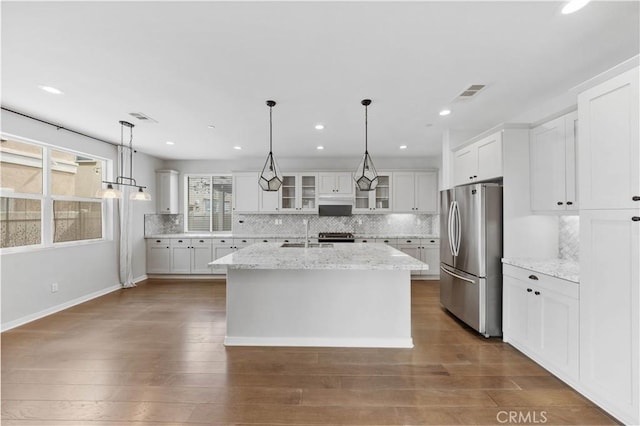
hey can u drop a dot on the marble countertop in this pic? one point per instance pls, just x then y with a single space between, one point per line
559 268
258 236
369 256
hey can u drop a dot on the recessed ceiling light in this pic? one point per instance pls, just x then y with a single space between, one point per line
319 126
211 126
403 147
170 143
50 89
237 147
574 6
320 147
445 112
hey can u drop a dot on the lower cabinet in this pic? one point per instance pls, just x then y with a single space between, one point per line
425 250
540 318
179 256
159 256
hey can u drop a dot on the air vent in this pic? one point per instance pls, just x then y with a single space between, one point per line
471 91
142 117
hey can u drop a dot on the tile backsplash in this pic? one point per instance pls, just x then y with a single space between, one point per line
569 238
163 224
378 224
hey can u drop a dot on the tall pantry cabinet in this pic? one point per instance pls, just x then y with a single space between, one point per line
609 160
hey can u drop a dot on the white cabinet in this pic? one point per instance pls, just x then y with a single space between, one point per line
552 150
425 250
299 192
482 160
608 164
190 256
248 197
609 306
335 183
222 247
609 123
540 318
158 256
378 200
415 192
167 192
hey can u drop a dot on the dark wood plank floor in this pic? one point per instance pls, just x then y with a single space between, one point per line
154 355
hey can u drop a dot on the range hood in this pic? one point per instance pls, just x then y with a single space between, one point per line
335 205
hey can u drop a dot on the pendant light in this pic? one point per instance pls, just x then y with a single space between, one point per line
366 177
270 178
123 179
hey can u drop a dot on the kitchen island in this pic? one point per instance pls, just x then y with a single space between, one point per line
342 294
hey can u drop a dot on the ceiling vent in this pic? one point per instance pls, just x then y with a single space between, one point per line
470 91
142 117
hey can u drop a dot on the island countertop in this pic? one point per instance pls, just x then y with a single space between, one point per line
369 256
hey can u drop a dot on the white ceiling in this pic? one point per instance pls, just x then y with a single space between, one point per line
188 65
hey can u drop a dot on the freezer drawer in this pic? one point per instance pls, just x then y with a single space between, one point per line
468 298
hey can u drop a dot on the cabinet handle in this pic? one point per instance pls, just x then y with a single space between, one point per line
432 241
475 176
559 203
264 241
636 218
179 241
202 241
569 203
635 198
364 241
286 241
529 290
408 241
537 293
158 241
222 241
386 241
533 277
470 177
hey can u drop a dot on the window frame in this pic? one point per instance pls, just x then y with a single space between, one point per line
47 226
186 201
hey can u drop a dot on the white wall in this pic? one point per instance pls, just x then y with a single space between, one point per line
81 271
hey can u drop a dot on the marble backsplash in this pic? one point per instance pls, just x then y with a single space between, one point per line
374 224
163 224
569 238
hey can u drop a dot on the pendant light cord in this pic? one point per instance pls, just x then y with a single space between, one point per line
366 126
270 129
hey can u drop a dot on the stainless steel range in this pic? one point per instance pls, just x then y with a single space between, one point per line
335 237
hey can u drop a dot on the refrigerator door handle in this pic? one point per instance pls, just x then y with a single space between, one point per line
458 230
450 228
456 275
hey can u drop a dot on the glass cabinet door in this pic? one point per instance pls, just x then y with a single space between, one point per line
289 192
362 199
308 192
382 193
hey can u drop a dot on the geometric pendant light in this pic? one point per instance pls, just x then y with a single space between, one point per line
365 176
270 178
124 177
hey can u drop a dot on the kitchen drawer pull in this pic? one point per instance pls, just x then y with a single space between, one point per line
457 276
180 241
264 241
537 293
364 241
158 241
529 290
636 218
222 241
635 198
432 241
533 277
569 203
202 241
559 203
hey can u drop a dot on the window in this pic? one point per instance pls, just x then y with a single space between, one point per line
48 195
209 203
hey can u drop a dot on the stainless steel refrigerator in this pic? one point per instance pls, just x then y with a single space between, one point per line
470 255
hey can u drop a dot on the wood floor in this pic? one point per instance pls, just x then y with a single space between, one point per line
154 355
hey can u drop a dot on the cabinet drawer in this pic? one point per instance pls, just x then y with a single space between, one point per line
430 242
390 241
542 281
364 240
180 242
201 242
222 241
151 242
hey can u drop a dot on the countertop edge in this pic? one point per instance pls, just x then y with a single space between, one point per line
567 270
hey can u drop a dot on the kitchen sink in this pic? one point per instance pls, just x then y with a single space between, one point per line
311 245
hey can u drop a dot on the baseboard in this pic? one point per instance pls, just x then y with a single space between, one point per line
140 278
61 307
186 277
329 342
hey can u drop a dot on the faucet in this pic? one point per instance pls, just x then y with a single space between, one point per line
306 233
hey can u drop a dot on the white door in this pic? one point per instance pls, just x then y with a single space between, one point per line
609 306
269 201
201 255
559 318
609 145
403 192
465 165
431 256
547 161
426 192
158 259
327 183
221 251
344 183
246 193
181 260
571 171
490 157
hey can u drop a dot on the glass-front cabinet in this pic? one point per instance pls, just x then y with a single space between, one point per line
299 192
378 200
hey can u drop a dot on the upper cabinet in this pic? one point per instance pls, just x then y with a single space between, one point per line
482 160
167 192
335 183
378 200
248 197
415 192
299 192
609 151
552 149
